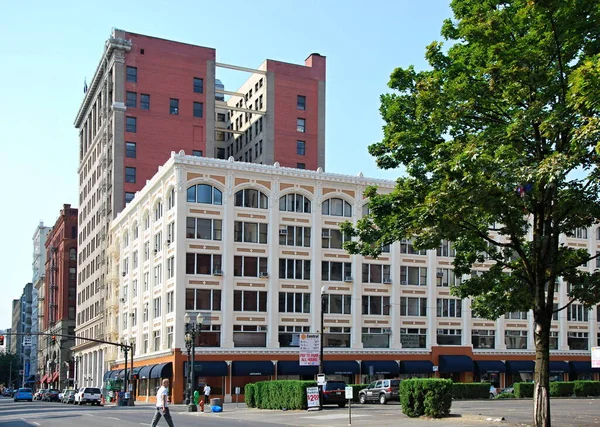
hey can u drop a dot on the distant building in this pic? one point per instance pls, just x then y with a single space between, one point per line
151 96
16 342
38 265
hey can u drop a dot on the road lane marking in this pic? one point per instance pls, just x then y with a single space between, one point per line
37 424
113 418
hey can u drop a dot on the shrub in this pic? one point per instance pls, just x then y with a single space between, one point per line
561 389
250 395
432 397
470 390
523 389
506 396
355 389
586 388
288 394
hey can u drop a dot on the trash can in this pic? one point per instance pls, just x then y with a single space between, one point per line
122 399
216 401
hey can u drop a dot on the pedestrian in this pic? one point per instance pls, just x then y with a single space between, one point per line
206 394
162 405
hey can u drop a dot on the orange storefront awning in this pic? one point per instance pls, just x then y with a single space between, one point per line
43 380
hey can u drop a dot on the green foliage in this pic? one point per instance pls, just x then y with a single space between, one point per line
432 397
586 388
355 389
470 390
523 390
561 389
506 396
250 395
6 361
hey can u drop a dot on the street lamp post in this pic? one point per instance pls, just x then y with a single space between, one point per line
322 338
192 330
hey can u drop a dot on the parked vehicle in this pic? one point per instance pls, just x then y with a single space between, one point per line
380 391
51 395
334 393
90 395
23 394
68 396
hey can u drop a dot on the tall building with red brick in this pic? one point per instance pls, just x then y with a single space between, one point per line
58 300
149 97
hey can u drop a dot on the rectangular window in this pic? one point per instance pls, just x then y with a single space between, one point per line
300 165
170 232
294 236
250 301
131 99
298 269
335 271
445 278
249 266
577 313
131 124
301 102
336 336
129 196
197 153
170 302
146 281
578 340
337 304
146 312
145 345
132 74
376 273
198 109
169 336
301 148
289 336
130 175
413 306
449 307
250 232
375 338
445 249
375 305
202 263
332 238
249 335
203 299
483 338
301 125
202 228
174 106
406 247
449 336
198 85
515 339
416 276
130 150
294 302
156 340
144 101
158 275
156 304
170 267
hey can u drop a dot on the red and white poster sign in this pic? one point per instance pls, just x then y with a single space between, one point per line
312 397
310 349
595 357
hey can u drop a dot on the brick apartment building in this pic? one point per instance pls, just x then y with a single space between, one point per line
57 302
149 97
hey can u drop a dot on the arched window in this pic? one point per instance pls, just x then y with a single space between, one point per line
136 231
125 239
73 254
337 207
146 221
158 210
294 203
204 193
250 198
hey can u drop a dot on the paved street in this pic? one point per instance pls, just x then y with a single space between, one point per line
566 412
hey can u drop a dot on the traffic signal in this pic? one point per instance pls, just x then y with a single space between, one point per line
1 339
53 340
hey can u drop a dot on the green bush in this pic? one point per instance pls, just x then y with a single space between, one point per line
355 389
506 396
561 389
432 397
586 388
523 390
250 395
470 390
288 394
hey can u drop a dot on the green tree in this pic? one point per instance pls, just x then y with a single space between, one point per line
9 361
499 143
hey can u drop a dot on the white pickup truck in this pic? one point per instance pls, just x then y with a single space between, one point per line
89 395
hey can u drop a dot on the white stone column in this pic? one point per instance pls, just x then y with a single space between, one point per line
431 299
228 279
272 281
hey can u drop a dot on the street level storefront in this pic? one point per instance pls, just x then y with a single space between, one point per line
489 371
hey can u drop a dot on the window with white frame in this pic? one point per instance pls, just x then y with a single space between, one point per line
445 278
169 336
204 228
332 271
413 337
146 251
134 318
134 287
289 336
446 249
337 336
156 339
249 335
516 315
294 269
336 207
203 299
375 305
170 302
332 238
376 273
410 306
170 267
294 236
483 338
294 302
158 210
202 263
249 266
515 339
125 321
136 231
146 221
577 313
158 242
170 232
375 338
204 193
249 232
134 258
250 198
171 199
578 340
145 345
157 306
449 336
294 203
146 281
255 301
407 247
415 276
146 314
125 239
337 304
158 275
449 307
126 265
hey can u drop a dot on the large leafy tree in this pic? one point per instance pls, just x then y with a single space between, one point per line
498 139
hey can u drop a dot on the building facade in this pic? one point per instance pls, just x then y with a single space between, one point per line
28 377
38 266
256 250
59 302
151 96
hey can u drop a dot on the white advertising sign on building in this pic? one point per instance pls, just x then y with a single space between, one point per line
310 349
595 357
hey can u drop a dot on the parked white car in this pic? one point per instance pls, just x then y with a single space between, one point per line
89 395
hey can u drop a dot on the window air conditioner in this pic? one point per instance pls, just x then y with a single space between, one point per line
264 274
348 279
123 274
325 233
282 231
403 282
440 274
217 272
387 280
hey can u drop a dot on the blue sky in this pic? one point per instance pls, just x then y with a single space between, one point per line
49 48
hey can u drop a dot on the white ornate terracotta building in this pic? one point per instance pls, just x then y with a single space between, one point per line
249 248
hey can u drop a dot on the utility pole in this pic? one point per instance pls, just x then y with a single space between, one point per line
10 374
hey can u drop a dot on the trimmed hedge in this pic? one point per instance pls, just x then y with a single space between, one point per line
506 396
586 388
470 390
523 390
432 397
355 389
561 389
250 395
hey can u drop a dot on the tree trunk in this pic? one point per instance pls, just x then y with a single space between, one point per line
541 385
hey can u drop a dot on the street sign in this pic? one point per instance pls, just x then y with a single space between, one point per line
349 393
435 369
27 341
312 397
320 379
310 349
237 390
595 357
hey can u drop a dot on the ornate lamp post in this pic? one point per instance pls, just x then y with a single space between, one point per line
192 330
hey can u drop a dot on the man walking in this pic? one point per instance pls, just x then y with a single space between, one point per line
207 394
162 405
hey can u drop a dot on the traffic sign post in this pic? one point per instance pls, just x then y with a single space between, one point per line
349 396
237 396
